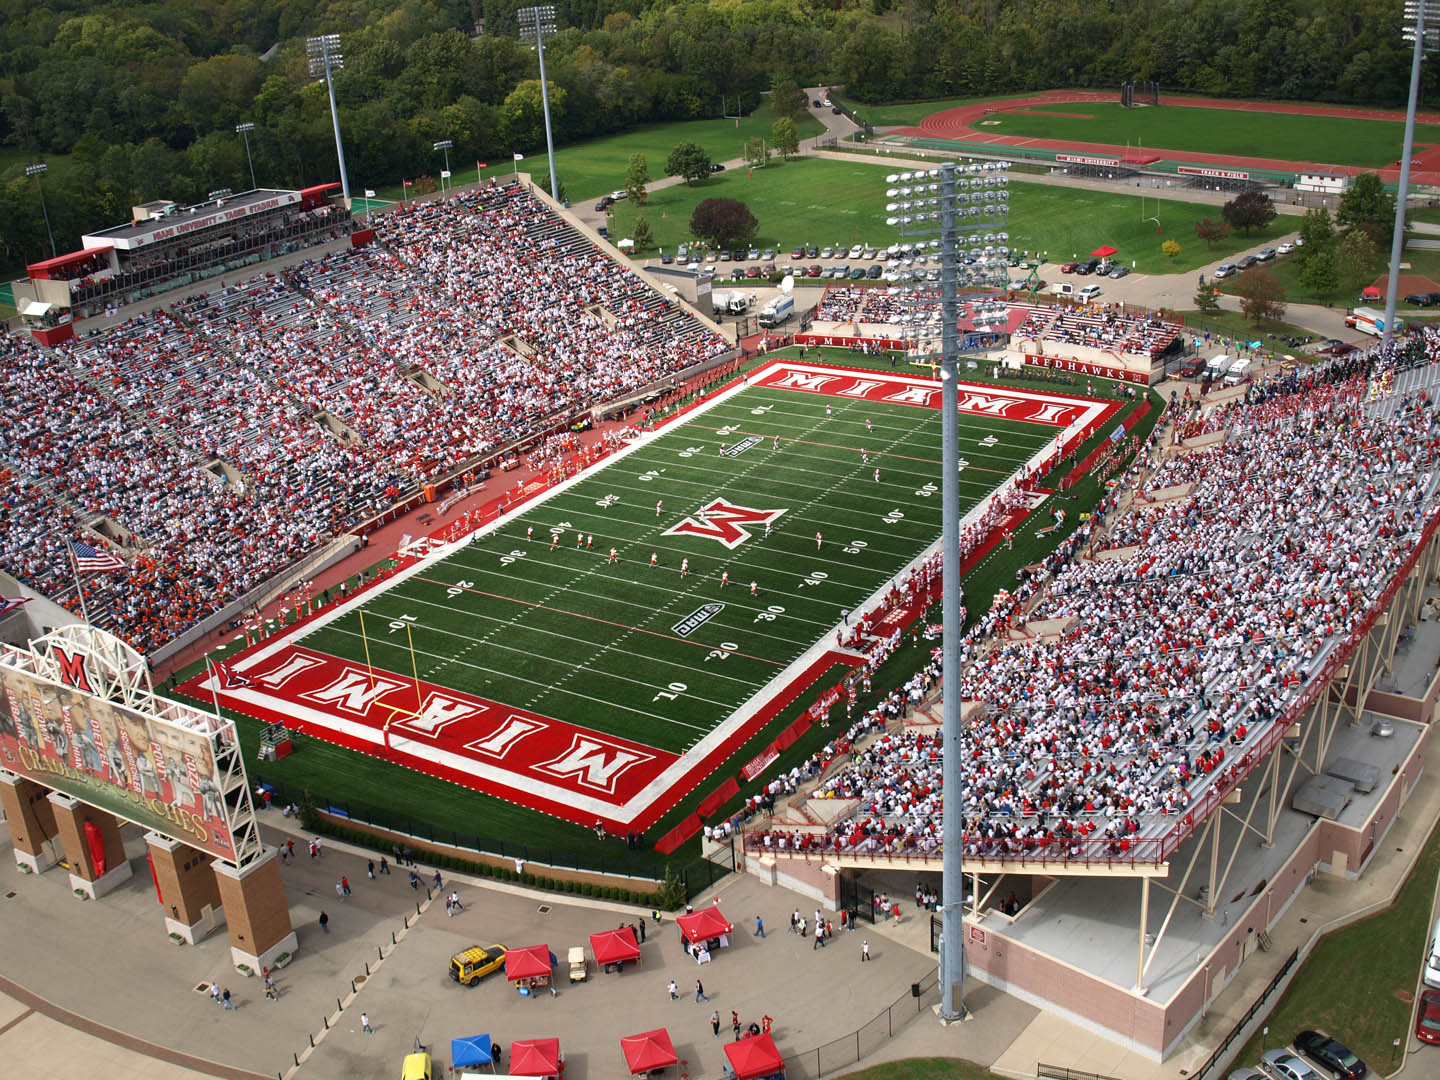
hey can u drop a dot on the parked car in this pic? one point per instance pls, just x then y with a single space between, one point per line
825 102
812 251
618 194
769 255
683 252
725 255
857 251
836 110
1249 1072
666 258
1331 1055
1089 292
1224 270
1246 261
857 273
1285 248
1119 272
753 253
812 270
715 167
1069 267
470 965
1419 299
817 103
1191 367
798 252
752 272
603 205
875 271
1265 254
1281 1064
737 273
1427 1022
827 252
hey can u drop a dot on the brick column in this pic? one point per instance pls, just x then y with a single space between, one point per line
70 818
187 887
32 821
256 911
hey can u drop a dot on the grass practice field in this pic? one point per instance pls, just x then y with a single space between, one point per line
826 202
535 663
1243 133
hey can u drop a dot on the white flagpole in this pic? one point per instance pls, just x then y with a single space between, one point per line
75 566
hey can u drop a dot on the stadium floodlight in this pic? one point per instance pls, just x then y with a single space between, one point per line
537 22
243 130
38 170
219 194
326 59
446 145
956 201
1421 27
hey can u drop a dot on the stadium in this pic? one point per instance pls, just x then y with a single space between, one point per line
450 512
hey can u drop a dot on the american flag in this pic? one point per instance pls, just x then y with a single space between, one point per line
89 559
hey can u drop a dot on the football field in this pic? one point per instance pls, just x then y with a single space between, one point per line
598 652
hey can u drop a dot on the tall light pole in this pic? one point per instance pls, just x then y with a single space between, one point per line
37 171
952 200
243 130
539 21
444 144
1421 17
325 59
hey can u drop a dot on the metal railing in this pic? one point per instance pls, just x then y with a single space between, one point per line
1259 1002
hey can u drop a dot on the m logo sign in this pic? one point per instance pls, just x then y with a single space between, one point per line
723 522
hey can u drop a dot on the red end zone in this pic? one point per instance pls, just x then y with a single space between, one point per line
558 768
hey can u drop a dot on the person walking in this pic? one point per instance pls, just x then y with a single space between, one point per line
339 892
414 881
370 869
345 884
700 992
225 999
324 922
674 990
384 865
455 901
864 951
735 1023
365 1027
215 992
715 1022
794 920
759 927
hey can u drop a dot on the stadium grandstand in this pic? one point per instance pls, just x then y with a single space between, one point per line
214 443
1216 641
166 246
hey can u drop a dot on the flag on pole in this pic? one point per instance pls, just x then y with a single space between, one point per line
89 559
1158 230
11 603
369 193
519 157
408 183
481 165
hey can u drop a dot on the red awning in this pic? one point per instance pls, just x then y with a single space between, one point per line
531 962
652 1050
704 924
319 189
40 269
1370 291
535 1057
1104 252
613 946
752 1057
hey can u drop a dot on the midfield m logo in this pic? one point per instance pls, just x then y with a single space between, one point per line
723 522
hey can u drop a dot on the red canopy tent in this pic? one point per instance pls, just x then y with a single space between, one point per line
1104 252
531 962
652 1050
615 947
755 1056
535 1057
704 924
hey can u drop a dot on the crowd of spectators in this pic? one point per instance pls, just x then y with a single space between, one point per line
1155 671
1145 335
212 443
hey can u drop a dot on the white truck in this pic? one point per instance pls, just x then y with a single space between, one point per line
724 302
1217 365
777 311
1237 372
1370 321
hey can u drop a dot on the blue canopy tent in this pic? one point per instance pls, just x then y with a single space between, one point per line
471 1053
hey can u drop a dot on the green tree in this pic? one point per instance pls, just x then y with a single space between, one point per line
1171 248
1366 202
1249 210
542 181
784 138
1207 299
756 152
726 223
1357 258
215 93
640 233
637 175
1319 275
688 160
523 113
1262 297
787 98
1317 229
1210 230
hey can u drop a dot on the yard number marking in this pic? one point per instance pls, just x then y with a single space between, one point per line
926 491
674 690
653 474
768 615
506 560
722 653
691 451
989 440
814 579
399 624
559 530
460 586
855 547
892 517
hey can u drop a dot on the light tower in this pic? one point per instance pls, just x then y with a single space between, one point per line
536 22
38 170
446 145
953 201
243 130
325 59
1422 27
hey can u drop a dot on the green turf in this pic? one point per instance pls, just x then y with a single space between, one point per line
1378 979
561 630
822 201
909 114
1238 132
1233 325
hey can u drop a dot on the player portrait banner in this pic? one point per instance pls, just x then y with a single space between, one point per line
140 767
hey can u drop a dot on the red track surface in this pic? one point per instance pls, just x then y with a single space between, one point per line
963 123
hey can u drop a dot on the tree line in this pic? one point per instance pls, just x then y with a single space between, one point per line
146 97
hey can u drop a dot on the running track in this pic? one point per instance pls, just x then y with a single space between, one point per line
963 123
